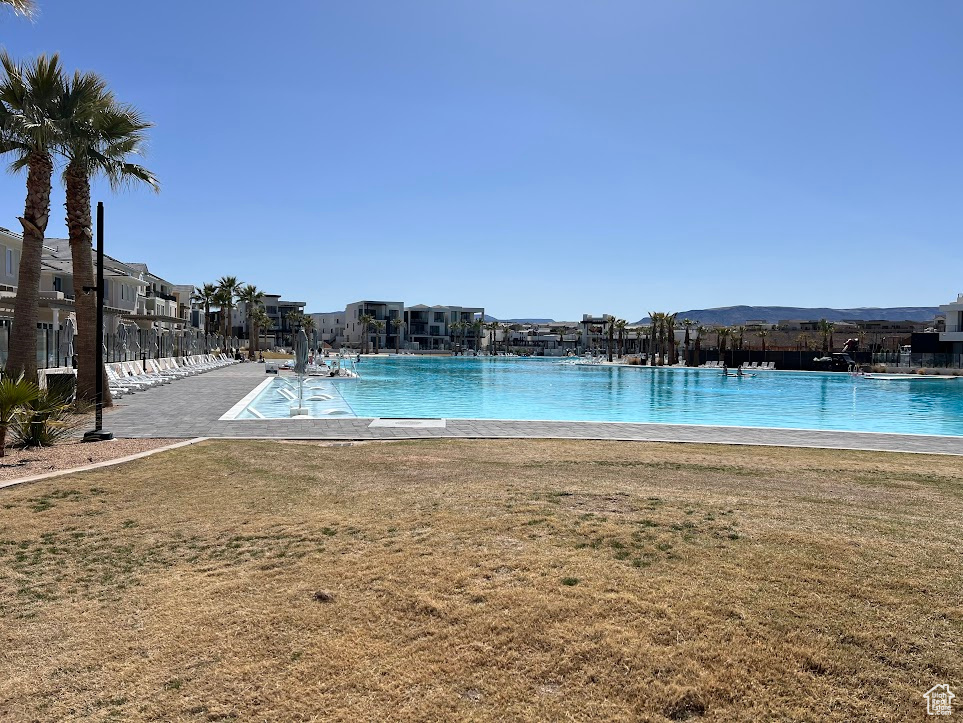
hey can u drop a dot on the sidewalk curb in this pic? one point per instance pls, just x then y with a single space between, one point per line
99 465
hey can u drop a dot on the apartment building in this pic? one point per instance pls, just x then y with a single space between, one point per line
385 312
444 327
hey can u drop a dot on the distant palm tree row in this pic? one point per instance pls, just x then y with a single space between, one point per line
225 294
48 116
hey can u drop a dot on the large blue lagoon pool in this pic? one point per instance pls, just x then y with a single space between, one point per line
544 389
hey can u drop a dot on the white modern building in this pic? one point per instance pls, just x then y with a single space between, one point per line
445 327
954 325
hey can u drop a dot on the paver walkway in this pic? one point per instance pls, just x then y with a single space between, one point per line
192 407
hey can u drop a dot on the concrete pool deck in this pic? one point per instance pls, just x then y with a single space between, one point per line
192 407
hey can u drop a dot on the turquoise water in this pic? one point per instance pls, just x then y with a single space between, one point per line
544 389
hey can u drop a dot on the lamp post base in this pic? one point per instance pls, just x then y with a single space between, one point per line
98 435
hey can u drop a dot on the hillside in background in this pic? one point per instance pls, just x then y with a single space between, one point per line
734 315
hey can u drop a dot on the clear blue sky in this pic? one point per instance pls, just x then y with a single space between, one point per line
540 158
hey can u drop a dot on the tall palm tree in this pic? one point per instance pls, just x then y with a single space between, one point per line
398 325
639 332
365 320
453 329
827 328
669 331
476 327
621 324
741 331
654 321
687 325
762 334
493 328
251 296
508 329
29 96
20 7
379 327
98 136
611 337
206 295
723 333
260 321
700 332
229 288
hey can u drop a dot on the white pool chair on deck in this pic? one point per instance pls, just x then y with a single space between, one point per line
116 379
130 371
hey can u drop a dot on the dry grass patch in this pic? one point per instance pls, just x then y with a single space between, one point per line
483 580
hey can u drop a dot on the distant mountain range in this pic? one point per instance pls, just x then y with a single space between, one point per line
733 315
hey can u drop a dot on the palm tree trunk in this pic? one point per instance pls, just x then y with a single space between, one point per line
80 232
36 212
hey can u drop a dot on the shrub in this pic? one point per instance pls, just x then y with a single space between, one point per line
15 395
44 420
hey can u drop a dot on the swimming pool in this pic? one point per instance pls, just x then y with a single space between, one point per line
544 389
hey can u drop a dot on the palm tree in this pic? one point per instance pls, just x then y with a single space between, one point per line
669 331
379 327
21 7
453 329
723 333
827 328
476 326
762 334
229 287
398 325
493 328
621 324
741 331
251 296
654 321
260 321
206 295
687 324
639 332
508 329
29 95
365 320
97 136
700 331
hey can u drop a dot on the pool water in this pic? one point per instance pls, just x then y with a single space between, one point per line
545 389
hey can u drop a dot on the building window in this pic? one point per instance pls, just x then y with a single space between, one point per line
9 256
58 284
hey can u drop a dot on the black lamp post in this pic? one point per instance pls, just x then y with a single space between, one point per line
98 433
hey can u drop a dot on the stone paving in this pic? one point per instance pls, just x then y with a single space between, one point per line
191 407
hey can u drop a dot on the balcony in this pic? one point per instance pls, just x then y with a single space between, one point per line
160 295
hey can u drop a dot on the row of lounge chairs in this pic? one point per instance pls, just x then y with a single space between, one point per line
135 376
750 365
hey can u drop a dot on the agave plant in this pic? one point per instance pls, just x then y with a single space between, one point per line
45 420
15 395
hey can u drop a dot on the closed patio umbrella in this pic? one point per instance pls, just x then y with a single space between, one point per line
66 350
301 353
122 339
